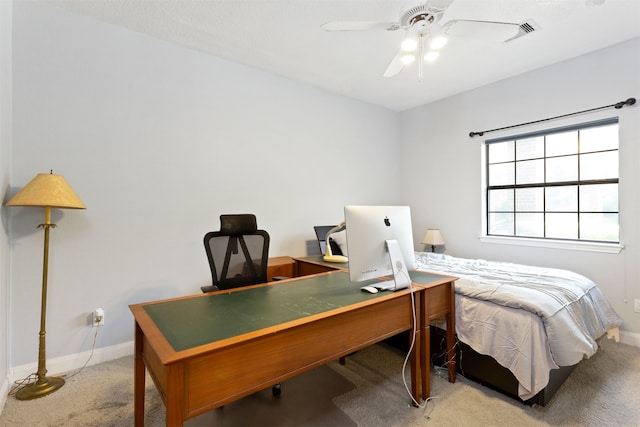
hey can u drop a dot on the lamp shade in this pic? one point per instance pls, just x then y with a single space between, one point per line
433 237
47 190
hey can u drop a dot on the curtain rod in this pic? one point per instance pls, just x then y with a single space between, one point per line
617 106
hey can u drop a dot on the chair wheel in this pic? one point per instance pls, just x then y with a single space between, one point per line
276 390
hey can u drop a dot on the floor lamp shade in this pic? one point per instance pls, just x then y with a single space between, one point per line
46 191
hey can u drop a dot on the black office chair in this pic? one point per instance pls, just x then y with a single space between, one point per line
238 256
238 253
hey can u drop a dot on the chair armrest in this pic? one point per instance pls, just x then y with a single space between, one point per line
209 288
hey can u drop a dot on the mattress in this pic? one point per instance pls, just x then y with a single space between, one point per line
529 319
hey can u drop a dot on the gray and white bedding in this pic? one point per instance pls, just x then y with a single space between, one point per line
530 319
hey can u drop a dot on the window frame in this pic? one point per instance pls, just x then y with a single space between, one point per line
560 243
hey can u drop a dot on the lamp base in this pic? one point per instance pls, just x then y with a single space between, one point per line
40 388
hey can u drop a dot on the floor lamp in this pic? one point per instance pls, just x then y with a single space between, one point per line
46 191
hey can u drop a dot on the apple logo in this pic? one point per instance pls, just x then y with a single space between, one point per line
387 222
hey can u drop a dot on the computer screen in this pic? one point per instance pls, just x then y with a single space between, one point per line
368 230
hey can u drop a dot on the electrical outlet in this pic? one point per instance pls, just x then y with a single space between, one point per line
636 305
98 317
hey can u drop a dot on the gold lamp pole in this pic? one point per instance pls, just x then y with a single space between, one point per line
46 191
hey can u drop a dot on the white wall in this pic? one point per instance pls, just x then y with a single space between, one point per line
158 141
442 173
5 166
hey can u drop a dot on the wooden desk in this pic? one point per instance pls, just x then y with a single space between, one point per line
200 359
437 300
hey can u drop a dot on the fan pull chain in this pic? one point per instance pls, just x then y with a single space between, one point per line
420 58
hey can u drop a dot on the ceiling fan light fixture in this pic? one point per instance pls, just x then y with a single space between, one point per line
438 39
407 58
410 43
431 56
438 42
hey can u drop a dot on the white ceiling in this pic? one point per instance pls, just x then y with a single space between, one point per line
284 37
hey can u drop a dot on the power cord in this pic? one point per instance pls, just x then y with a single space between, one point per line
33 377
21 383
406 360
93 347
412 345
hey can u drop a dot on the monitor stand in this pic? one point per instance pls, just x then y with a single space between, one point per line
400 273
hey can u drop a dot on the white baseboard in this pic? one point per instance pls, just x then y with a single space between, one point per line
630 338
4 392
72 362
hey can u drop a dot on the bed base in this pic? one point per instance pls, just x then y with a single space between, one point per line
487 371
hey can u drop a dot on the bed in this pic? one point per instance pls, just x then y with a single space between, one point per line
522 329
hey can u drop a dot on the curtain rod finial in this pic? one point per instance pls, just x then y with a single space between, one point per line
629 101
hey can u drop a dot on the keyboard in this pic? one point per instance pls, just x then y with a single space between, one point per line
388 285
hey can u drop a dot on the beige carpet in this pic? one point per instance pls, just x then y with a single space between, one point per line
368 391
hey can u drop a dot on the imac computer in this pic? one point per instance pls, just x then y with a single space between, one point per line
380 241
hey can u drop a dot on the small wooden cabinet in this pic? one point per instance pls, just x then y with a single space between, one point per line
297 267
280 266
315 265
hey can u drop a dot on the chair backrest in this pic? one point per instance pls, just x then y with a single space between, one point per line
238 253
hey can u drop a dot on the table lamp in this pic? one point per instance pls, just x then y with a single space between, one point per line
329 256
434 238
45 191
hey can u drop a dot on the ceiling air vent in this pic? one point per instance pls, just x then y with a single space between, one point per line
525 28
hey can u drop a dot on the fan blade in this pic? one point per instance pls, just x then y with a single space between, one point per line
486 30
396 65
439 4
359 26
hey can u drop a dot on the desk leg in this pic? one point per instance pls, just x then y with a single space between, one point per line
425 337
175 395
138 380
451 331
416 354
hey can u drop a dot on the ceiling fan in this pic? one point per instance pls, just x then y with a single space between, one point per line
425 36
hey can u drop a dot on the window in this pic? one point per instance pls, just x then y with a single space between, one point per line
555 184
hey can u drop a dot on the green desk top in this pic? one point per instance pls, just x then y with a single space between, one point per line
422 278
191 322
